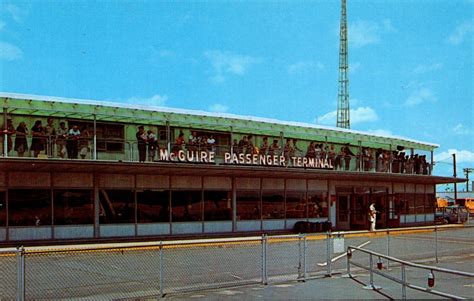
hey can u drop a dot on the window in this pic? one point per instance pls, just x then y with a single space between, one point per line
3 209
116 206
248 205
110 137
153 206
430 203
410 199
273 204
419 203
402 202
29 207
296 204
72 207
217 205
317 205
186 206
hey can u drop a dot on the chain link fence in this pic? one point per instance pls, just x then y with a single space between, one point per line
154 269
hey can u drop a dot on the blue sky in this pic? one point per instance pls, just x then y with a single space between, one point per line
411 62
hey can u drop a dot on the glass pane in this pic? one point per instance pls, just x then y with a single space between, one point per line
430 203
186 206
153 206
343 205
116 206
3 209
73 207
419 203
410 199
29 207
273 204
248 205
217 205
296 204
318 205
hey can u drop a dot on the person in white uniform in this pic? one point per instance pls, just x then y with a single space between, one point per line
372 216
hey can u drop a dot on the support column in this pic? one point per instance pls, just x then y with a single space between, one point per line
432 164
5 135
168 136
94 154
234 205
96 205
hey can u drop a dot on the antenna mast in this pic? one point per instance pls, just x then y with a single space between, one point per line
343 115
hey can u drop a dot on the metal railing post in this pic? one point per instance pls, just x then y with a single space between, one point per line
436 243
328 254
388 248
264 259
304 256
161 269
371 264
349 263
404 280
20 265
300 261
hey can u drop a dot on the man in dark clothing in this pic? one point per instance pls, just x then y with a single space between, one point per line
141 140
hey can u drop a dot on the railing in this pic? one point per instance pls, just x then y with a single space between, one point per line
139 270
403 277
82 148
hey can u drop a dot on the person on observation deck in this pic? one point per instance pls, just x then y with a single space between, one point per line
21 144
39 139
141 141
9 130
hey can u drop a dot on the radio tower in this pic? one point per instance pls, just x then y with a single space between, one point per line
343 115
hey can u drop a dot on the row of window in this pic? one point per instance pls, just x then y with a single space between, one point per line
36 207
416 203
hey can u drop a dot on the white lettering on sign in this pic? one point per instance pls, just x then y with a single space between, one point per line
243 159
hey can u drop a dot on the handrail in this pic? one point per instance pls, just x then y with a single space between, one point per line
403 281
412 264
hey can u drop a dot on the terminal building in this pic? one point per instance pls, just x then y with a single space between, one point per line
88 170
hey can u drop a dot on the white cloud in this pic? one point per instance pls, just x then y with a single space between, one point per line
17 13
224 63
155 100
460 129
381 132
359 115
353 67
305 66
218 108
460 32
362 32
427 68
420 96
10 52
462 156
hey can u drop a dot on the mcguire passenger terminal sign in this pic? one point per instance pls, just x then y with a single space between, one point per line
244 159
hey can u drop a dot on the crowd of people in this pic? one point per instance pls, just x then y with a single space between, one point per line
69 142
73 142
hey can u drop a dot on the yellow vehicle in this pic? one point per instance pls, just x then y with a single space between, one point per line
469 204
441 203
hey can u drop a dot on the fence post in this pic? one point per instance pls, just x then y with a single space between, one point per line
20 265
404 280
161 269
328 254
436 243
388 247
349 251
300 261
264 259
304 256
371 264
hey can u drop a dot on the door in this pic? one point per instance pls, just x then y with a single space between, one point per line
393 212
343 212
359 212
